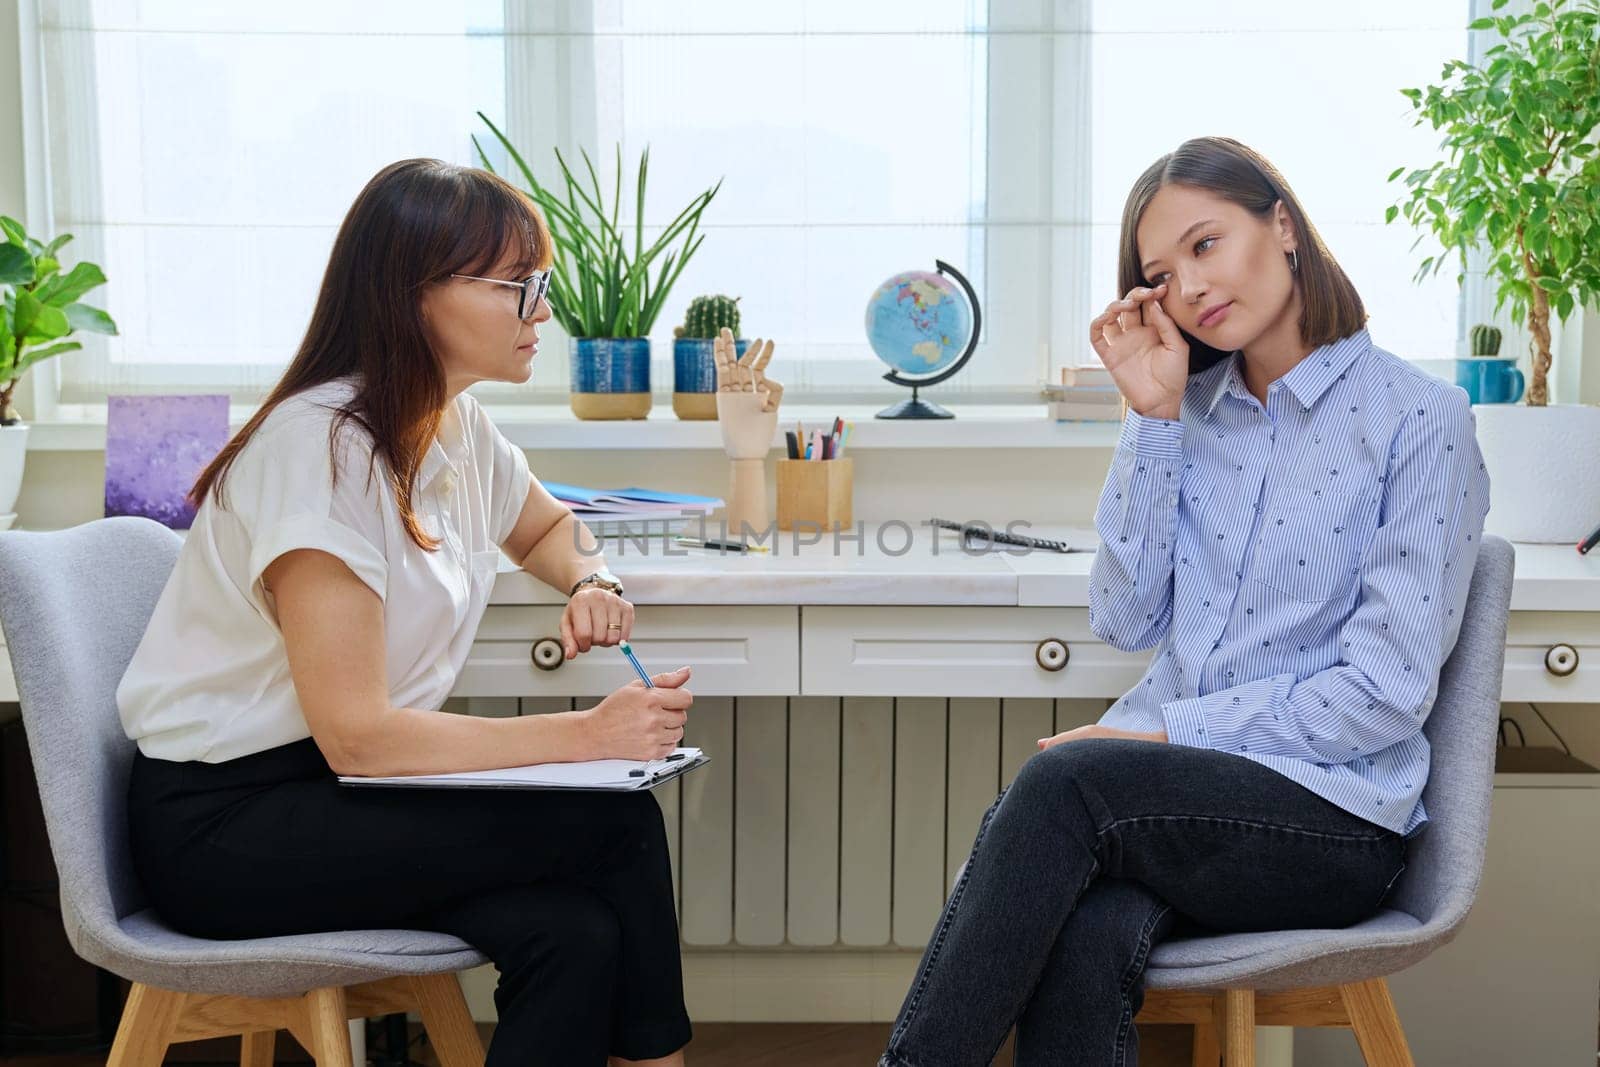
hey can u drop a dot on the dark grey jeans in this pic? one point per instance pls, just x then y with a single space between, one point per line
1095 853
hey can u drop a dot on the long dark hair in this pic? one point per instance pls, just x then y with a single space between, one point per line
1330 307
417 222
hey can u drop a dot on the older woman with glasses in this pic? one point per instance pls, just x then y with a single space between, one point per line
321 608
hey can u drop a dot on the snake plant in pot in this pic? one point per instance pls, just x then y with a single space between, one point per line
1519 183
42 311
608 285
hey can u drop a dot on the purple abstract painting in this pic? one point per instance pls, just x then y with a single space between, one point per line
156 446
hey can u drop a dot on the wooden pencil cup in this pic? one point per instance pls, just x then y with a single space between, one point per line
815 493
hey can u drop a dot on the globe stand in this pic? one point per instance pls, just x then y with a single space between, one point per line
915 409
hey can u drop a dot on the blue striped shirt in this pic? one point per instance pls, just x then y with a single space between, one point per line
1300 569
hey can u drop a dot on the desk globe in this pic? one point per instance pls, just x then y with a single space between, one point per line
924 326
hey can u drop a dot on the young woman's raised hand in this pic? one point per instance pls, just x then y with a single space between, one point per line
1141 346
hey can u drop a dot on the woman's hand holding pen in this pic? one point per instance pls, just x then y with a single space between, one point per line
593 617
636 722
1144 351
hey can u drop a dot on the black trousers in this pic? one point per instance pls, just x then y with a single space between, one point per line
569 893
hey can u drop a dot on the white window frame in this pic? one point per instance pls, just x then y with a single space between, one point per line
1032 243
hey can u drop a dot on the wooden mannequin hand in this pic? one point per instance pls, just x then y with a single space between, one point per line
747 400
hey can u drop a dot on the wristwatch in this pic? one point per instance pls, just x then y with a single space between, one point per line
602 578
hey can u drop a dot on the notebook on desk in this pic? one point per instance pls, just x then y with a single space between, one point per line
606 775
583 500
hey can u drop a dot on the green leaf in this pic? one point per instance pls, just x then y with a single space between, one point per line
55 246
1397 172
16 265
1551 285
1565 250
66 288
1484 23
37 321
1509 149
30 356
90 319
14 231
1389 213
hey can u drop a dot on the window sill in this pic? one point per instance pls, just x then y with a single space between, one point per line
548 428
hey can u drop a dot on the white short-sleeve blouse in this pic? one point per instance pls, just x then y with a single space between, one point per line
210 679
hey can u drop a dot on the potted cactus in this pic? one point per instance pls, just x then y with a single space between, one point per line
1516 183
694 370
1486 375
42 310
1484 340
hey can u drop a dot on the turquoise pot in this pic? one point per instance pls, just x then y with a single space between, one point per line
1490 379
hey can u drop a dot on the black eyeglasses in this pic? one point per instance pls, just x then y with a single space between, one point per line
532 290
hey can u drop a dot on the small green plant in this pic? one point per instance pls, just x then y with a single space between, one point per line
1484 340
1522 174
707 315
41 306
602 285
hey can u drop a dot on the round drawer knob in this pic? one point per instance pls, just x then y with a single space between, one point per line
1561 660
547 654
1051 654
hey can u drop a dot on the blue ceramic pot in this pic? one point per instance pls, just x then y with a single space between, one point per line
611 377
694 376
1490 379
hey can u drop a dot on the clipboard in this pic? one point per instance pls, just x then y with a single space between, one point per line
606 775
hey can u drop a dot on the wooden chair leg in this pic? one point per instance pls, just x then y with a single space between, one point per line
148 1020
258 1048
1376 1025
1237 1027
327 1025
1207 1053
449 1025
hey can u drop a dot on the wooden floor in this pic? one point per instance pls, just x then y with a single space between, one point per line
722 1045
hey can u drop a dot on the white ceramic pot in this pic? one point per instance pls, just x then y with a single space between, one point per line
1544 470
13 451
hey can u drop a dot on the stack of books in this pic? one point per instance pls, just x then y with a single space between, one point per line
1086 394
611 512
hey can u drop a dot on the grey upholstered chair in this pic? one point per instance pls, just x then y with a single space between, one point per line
74 605
1225 985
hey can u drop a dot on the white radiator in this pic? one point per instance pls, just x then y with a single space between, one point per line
827 822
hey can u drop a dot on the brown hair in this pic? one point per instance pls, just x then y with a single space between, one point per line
417 222
1330 306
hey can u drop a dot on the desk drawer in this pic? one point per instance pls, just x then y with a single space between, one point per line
743 651
1540 643
958 652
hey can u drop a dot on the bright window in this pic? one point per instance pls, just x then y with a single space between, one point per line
205 154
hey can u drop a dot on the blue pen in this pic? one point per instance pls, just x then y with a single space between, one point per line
627 650
643 772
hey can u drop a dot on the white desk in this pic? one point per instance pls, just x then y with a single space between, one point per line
891 618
